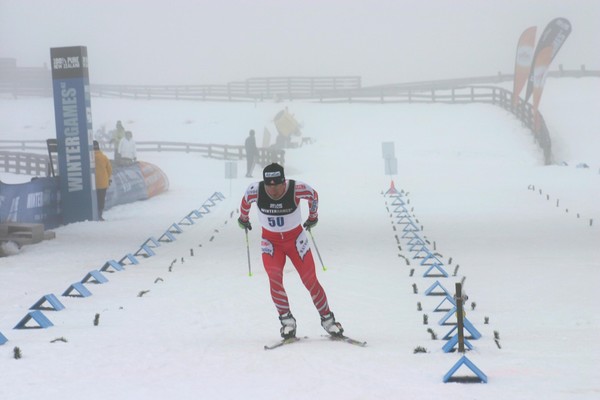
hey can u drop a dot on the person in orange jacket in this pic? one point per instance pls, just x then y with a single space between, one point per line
103 175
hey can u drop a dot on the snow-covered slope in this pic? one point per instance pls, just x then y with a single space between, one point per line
473 177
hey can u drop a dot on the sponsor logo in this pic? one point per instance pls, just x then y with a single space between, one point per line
266 247
66 62
302 245
35 200
275 174
525 56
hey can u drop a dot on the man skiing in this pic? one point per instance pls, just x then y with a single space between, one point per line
279 214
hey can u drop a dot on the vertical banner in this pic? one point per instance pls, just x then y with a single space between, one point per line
553 37
388 152
540 69
73 115
523 62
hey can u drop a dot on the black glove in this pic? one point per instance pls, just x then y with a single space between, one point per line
244 224
310 223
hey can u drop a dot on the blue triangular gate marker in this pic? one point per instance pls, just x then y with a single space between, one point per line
217 196
174 228
449 346
468 326
151 242
53 302
400 209
423 249
408 235
431 259
471 329
442 272
130 257
446 299
209 202
79 288
449 314
195 214
430 290
416 240
38 317
3 339
145 251
94 276
481 377
187 220
398 201
204 210
111 264
167 237
404 219
411 227
418 247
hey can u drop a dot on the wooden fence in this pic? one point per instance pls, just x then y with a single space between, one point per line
384 94
19 81
254 89
24 163
463 95
37 81
36 164
323 89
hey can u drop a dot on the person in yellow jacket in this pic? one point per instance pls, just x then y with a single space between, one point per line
103 175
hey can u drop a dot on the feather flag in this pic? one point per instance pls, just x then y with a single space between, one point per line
523 61
553 37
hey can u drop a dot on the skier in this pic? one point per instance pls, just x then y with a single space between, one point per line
279 214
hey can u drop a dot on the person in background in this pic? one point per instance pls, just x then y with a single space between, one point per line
251 153
127 150
117 135
278 201
103 175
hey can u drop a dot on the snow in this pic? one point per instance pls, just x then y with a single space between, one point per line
473 176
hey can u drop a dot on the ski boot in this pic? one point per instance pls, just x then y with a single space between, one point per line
333 328
288 325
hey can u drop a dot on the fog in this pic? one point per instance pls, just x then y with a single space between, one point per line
209 42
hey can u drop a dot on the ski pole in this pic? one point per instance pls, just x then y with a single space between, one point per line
317 249
248 251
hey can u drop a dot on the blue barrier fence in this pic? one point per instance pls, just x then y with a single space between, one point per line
38 201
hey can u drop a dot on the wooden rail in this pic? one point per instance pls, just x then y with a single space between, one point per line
456 95
20 162
383 94
24 163
323 89
20 81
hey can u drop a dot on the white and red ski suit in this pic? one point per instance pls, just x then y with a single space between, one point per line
283 235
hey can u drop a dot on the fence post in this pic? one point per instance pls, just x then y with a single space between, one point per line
459 317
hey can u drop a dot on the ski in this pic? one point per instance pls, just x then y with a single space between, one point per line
342 338
347 339
284 342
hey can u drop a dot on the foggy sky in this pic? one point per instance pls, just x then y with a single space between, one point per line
215 42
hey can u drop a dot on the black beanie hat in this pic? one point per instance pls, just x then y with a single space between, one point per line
273 174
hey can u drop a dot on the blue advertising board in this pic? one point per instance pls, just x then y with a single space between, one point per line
33 202
74 134
39 201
